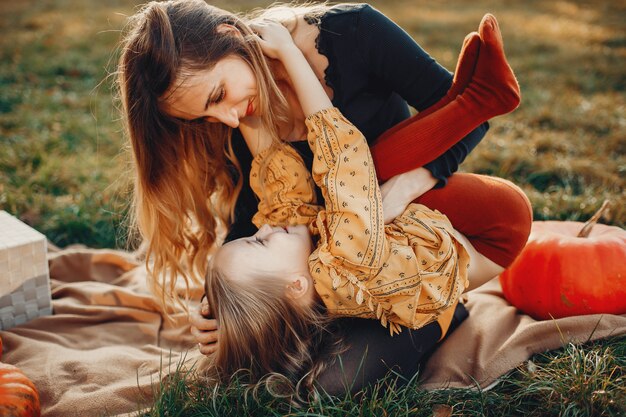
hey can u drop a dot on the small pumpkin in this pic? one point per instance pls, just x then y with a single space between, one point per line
18 395
569 268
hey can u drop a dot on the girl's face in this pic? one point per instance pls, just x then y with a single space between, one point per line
227 93
280 252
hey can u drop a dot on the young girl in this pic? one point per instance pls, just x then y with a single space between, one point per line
265 289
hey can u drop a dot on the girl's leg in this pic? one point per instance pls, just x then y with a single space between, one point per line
491 90
465 66
492 213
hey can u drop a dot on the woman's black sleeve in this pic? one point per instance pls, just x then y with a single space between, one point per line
398 62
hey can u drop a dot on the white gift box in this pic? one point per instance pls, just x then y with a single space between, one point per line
24 276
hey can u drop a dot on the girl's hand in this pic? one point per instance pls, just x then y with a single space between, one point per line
274 38
402 189
276 42
204 330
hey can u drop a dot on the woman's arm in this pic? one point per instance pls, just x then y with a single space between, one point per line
401 190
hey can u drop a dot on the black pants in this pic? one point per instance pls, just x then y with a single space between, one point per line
372 353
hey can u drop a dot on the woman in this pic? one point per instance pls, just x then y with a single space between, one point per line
341 256
192 76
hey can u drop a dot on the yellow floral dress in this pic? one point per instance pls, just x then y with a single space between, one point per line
407 273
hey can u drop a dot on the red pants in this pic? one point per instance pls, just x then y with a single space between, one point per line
493 213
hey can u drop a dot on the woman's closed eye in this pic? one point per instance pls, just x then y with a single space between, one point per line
259 240
216 99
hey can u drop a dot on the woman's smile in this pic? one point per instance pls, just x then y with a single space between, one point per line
250 108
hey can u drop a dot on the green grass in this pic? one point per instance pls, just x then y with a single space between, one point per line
577 380
61 164
63 168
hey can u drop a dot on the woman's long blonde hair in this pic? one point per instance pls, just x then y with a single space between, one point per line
187 176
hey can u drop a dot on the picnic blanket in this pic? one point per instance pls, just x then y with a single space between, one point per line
107 344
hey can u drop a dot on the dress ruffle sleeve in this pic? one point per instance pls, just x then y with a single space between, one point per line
284 187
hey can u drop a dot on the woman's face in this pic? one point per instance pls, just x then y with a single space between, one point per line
226 94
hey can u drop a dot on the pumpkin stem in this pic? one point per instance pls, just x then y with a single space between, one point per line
586 230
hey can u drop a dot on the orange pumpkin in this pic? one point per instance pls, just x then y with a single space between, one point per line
18 395
561 272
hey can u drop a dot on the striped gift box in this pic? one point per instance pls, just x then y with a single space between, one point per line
24 277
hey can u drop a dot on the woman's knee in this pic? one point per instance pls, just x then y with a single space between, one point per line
515 202
493 213
515 222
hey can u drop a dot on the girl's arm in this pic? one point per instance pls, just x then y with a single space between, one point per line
278 175
278 178
277 43
351 227
257 138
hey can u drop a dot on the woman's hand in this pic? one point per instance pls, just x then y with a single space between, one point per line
399 191
274 38
204 330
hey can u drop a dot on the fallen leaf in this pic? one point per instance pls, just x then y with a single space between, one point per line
442 410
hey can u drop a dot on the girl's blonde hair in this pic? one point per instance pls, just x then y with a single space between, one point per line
187 176
265 332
